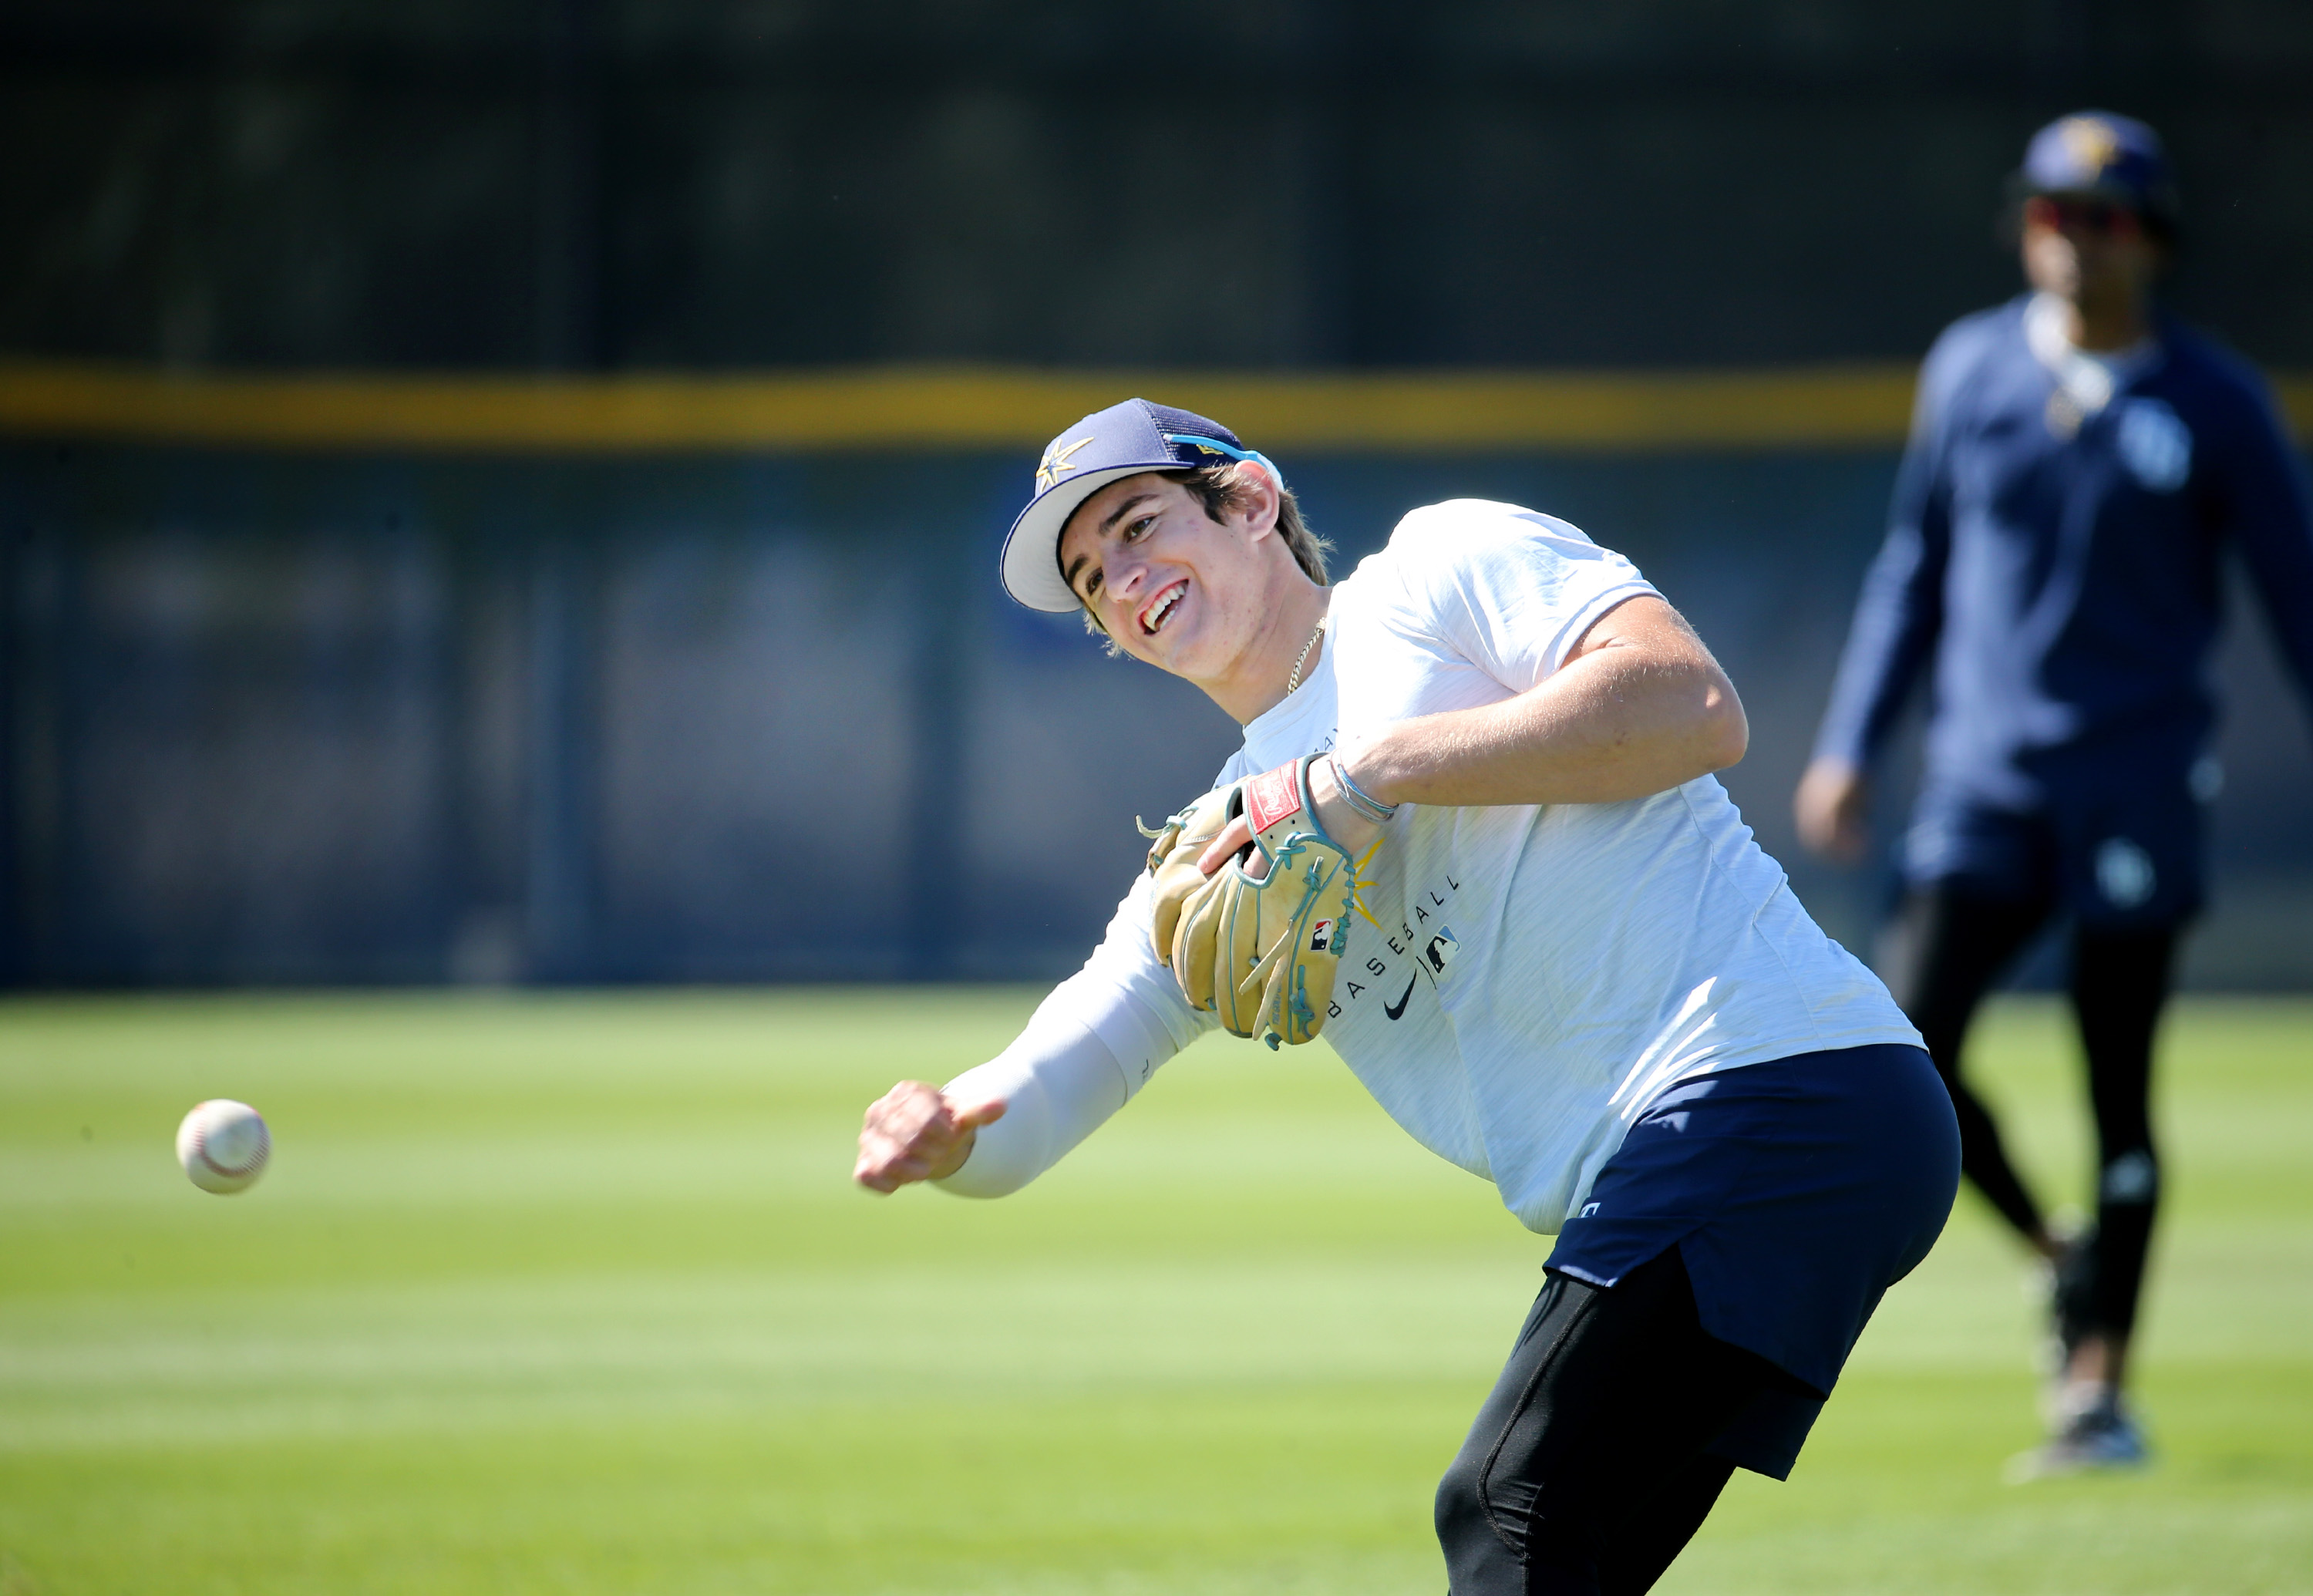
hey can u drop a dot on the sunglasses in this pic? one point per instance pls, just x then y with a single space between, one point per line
2070 215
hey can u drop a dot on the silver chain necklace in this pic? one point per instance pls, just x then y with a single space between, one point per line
1293 682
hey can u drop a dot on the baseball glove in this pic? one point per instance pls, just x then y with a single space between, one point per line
1172 853
1261 954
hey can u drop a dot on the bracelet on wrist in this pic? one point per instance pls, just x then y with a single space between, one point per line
1357 798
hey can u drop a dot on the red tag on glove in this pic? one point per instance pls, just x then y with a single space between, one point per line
1271 796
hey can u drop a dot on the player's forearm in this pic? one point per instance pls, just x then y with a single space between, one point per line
1007 1155
1897 619
1060 1082
1612 724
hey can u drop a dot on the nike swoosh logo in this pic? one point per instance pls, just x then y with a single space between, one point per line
1403 1002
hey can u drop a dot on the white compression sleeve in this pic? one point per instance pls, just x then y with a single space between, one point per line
1091 1044
1058 1081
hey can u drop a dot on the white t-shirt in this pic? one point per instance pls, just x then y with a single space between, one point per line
1519 982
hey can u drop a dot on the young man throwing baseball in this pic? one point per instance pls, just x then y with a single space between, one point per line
1474 837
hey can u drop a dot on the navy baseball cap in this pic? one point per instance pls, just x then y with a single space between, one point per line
1121 441
2096 151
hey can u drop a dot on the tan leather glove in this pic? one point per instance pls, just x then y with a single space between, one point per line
1261 954
1173 854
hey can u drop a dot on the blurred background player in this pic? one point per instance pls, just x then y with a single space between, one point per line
2079 463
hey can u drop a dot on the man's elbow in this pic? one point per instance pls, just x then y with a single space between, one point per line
1725 731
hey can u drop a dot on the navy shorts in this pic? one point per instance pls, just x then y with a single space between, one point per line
1797 1192
2122 855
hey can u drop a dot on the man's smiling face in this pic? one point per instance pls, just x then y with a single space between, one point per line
1168 582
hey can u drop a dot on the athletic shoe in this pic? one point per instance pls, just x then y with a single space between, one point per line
2100 1434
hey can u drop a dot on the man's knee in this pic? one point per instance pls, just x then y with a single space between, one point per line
2129 1180
1458 1506
1498 1542
1477 1556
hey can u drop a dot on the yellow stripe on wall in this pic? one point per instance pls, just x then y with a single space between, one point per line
1828 407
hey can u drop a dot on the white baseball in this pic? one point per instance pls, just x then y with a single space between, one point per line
224 1145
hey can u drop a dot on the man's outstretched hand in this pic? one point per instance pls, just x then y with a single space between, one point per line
914 1133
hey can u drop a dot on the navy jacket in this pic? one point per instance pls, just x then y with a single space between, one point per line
2064 574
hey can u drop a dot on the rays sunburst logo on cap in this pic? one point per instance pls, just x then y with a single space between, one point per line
2091 142
1055 463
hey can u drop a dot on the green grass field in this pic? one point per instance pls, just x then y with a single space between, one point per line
572 1294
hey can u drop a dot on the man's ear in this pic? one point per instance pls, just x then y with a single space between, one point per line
1257 496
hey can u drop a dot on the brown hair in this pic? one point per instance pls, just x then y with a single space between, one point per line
1220 488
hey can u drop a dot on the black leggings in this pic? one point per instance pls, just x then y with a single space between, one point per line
1585 1470
1955 946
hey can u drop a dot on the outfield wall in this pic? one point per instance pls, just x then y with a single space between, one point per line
332 716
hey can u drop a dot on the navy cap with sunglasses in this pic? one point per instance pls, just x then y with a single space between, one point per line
1106 446
2098 154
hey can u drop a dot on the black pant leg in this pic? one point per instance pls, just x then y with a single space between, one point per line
1954 945
1652 1541
2119 984
1585 1471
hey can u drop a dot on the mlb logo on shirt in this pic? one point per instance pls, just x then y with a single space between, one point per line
1441 951
2124 873
1321 937
2155 445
